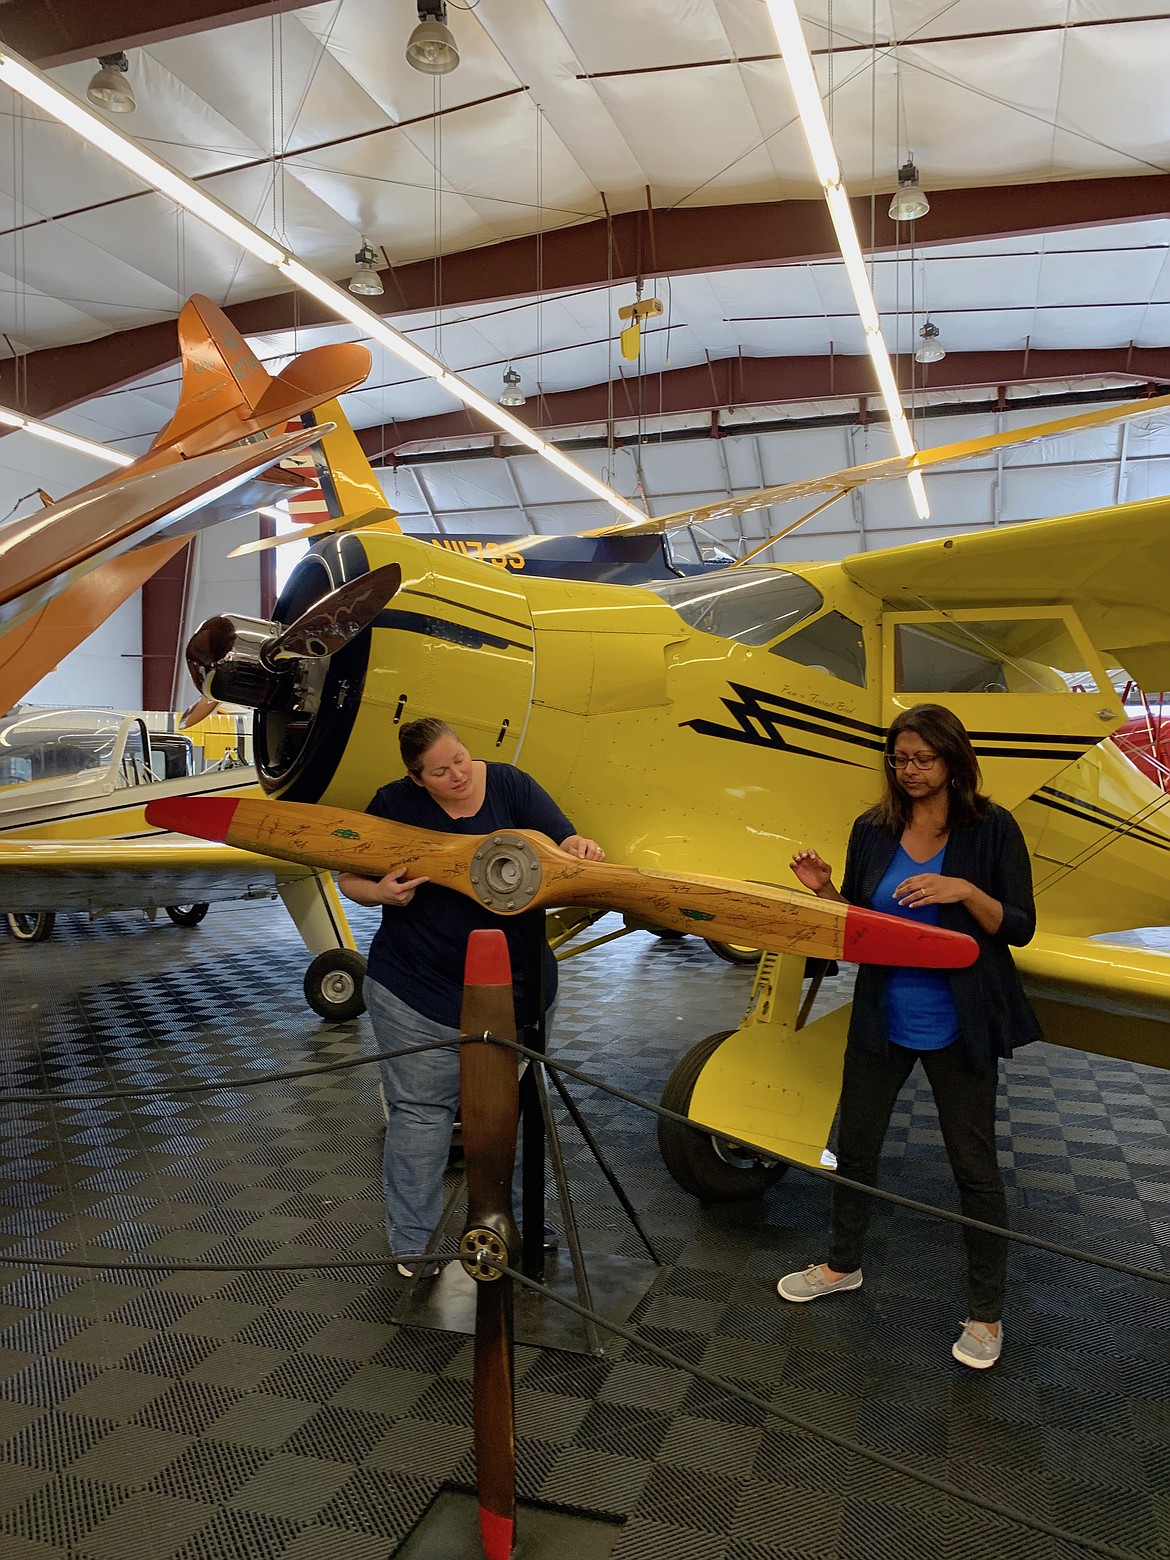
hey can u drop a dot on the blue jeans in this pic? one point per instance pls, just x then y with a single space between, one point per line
422 1099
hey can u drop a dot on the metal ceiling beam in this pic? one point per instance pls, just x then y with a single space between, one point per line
70 30
686 240
751 381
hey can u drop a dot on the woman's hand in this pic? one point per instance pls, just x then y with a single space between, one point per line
586 850
396 888
812 870
930 888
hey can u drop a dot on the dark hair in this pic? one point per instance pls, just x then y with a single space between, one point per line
417 736
945 733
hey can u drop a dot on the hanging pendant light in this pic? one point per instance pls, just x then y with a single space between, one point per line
932 349
365 280
512 393
109 87
431 47
909 201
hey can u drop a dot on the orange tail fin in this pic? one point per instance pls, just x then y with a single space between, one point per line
227 394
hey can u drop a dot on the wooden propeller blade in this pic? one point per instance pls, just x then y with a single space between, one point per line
489 1111
372 520
518 869
332 622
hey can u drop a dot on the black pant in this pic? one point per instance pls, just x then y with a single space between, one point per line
966 1113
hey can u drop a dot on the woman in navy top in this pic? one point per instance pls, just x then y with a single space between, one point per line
934 849
414 976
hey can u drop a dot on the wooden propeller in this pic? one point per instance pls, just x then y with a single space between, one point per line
489 1111
518 869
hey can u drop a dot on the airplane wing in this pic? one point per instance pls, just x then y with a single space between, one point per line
1111 565
837 483
1109 998
42 554
143 873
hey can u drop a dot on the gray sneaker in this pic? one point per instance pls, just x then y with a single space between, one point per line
978 1346
811 1284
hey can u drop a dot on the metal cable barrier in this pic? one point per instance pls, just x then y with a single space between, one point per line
630 1335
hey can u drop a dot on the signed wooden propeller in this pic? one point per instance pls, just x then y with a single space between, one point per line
489 1112
511 870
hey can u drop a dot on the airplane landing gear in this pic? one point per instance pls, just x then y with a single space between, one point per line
333 984
32 928
187 915
707 1166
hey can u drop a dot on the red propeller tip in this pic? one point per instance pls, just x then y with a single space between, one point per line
487 962
206 817
497 1532
873 938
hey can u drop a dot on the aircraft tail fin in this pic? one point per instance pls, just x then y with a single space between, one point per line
348 484
226 393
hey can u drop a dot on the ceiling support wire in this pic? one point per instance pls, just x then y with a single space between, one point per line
541 409
437 208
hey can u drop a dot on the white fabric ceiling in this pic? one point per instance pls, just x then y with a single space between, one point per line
312 125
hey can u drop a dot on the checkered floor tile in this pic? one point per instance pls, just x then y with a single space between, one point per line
210 1414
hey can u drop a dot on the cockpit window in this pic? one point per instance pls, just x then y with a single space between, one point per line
751 608
54 744
831 643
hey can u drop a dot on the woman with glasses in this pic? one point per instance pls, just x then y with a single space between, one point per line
935 850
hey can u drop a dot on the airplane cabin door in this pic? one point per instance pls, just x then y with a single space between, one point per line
1026 682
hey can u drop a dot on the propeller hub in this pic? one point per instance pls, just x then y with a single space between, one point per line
505 873
482 1251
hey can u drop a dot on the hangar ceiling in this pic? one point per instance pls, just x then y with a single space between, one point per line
577 149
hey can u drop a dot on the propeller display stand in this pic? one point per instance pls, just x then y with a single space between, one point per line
492 1524
612 1286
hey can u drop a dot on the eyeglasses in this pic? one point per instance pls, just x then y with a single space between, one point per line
919 760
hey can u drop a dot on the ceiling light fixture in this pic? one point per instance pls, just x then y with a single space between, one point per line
512 395
431 47
34 85
109 87
70 441
931 350
909 201
806 91
365 280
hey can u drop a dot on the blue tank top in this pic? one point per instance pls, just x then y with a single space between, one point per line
920 1009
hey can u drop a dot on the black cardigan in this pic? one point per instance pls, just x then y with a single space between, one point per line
994 1016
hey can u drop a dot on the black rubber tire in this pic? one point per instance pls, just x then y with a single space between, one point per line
187 915
693 1158
29 927
734 954
333 984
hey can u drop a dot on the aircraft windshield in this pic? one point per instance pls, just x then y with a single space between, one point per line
44 747
752 607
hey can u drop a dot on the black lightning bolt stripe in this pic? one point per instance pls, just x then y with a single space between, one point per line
758 716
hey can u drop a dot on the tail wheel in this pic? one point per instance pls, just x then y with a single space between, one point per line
32 928
333 984
707 1166
733 953
187 915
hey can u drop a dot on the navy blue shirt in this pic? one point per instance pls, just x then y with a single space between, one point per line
419 949
920 1008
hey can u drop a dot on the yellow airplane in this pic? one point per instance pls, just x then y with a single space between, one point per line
716 724
74 841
